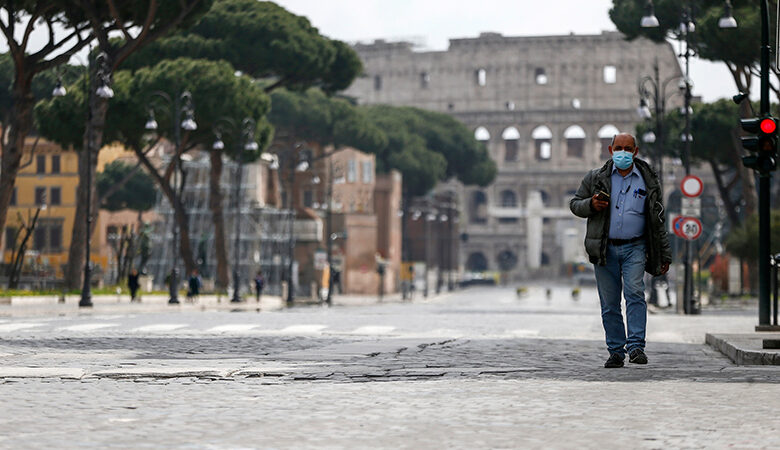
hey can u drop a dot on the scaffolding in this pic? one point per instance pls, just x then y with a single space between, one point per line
265 235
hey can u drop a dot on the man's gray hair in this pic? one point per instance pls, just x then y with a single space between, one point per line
629 134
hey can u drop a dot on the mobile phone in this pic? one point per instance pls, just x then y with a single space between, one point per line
603 196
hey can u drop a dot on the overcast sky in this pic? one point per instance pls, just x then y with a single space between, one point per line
433 22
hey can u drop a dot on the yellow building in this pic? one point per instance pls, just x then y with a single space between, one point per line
49 180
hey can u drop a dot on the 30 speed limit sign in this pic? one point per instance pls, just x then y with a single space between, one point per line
690 228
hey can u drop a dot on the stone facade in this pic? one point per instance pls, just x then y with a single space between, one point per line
546 107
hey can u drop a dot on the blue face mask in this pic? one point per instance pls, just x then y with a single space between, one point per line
622 159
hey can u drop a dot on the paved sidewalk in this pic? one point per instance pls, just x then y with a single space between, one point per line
746 348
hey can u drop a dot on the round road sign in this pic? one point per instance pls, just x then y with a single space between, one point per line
677 226
691 228
691 186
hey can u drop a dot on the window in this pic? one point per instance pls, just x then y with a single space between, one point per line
377 82
481 134
56 196
508 199
542 137
575 141
425 80
540 76
605 134
481 77
10 238
55 238
13 197
40 196
39 238
40 164
610 74
308 198
351 171
55 164
511 137
367 172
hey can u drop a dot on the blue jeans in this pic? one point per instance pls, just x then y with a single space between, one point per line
624 271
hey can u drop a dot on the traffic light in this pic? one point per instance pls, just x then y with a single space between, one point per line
763 143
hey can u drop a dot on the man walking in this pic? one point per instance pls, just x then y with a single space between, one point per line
626 236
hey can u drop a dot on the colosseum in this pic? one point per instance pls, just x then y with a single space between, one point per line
546 107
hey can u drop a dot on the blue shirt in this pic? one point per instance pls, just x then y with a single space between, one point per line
627 205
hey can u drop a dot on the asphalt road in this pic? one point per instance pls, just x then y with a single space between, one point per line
480 368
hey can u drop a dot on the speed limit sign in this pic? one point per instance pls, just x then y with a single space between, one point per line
690 228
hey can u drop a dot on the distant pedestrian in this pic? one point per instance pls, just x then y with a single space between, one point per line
259 285
133 284
625 237
194 283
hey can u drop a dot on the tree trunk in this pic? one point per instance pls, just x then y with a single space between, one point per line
18 127
74 271
745 175
216 206
185 247
93 141
731 212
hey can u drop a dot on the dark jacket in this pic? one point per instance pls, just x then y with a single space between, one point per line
658 250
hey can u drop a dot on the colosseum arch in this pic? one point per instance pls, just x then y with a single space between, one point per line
575 141
605 134
511 143
481 134
542 137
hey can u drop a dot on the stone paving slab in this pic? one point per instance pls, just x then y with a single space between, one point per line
746 348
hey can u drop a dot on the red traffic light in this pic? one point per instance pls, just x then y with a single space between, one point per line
768 126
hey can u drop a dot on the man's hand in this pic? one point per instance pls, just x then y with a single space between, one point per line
664 268
598 205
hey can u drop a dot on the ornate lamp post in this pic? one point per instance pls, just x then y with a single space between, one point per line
687 27
246 143
183 113
104 91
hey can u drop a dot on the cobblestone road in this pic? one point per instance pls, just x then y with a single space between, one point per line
474 369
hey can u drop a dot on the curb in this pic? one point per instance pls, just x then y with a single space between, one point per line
740 355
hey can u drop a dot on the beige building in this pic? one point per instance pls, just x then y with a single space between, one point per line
546 107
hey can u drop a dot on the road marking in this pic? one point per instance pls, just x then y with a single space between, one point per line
89 326
524 333
232 328
18 326
304 329
160 327
373 329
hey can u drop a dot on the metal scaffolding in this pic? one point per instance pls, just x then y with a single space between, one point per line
265 235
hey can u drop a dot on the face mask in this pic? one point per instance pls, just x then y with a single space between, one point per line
622 159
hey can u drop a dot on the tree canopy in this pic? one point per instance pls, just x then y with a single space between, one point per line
426 147
263 40
217 95
738 48
136 193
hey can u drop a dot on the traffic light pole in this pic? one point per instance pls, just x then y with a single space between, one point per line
764 181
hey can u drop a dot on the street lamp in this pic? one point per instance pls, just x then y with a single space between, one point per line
104 91
246 143
687 26
181 106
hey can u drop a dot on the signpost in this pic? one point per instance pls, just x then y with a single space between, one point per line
688 227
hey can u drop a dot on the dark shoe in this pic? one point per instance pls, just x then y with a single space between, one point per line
637 356
615 360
